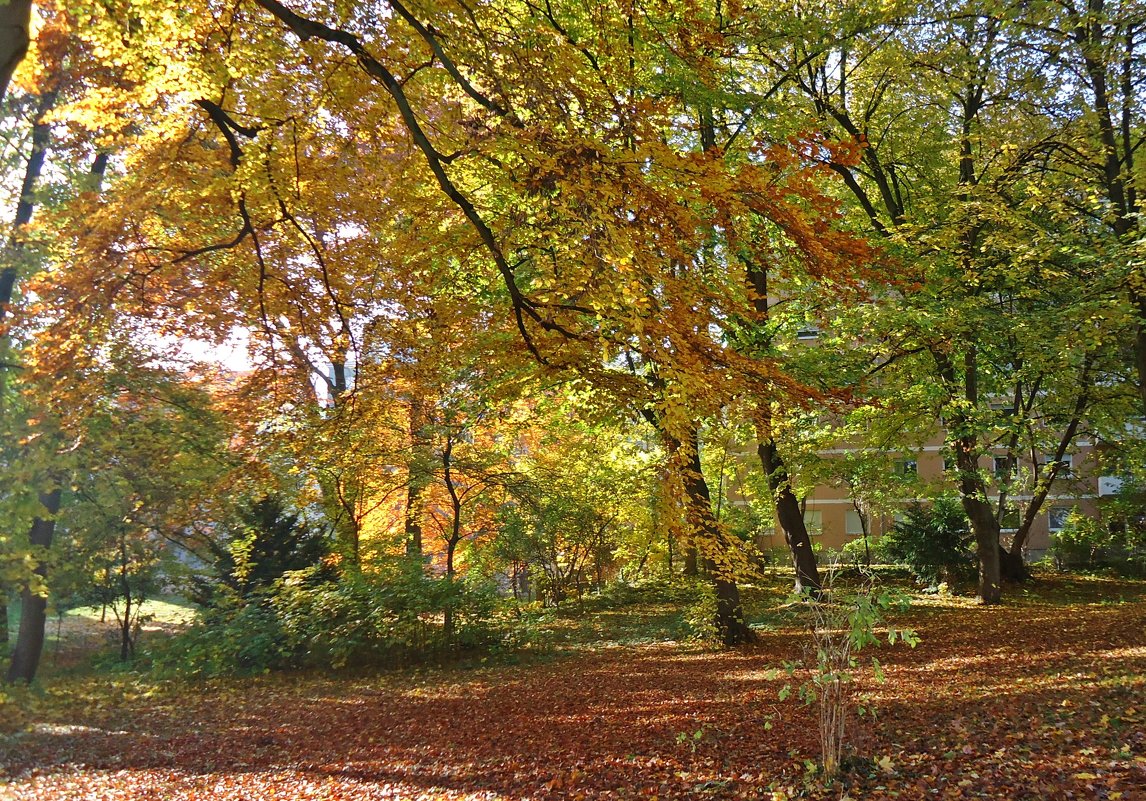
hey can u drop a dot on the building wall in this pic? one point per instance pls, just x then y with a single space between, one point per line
833 520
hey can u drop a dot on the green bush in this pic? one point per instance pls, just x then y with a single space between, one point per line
934 541
854 552
236 640
1089 543
393 613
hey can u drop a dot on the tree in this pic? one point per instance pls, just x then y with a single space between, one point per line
49 472
1100 45
263 542
581 499
15 24
958 189
508 207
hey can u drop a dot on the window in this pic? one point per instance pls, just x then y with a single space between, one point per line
1010 521
808 333
907 467
1067 463
1004 469
1056 518
853 525
1110 485
814 520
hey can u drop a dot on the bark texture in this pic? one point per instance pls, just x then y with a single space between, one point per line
33 606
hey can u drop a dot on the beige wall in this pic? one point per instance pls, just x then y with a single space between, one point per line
831 513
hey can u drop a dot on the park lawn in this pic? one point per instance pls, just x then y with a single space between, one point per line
72 637
1044 698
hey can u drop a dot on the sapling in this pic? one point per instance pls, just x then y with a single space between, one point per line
842 622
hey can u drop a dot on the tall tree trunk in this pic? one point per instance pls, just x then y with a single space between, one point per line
15 19
126 645
33 606
1140 346
791 518
729 621
972 487
418 477
455 535
984 523
30 635
4 623
788 509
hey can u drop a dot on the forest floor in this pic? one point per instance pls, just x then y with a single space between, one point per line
1043 698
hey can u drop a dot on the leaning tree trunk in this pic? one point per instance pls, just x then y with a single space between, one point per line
33 605
788 509
791 518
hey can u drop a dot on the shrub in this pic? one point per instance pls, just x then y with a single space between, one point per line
842 623
855 552
1088 542
236 640
392 614
934 541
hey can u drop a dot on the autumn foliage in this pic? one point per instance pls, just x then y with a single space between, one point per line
609 724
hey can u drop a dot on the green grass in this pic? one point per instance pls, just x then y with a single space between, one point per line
166 610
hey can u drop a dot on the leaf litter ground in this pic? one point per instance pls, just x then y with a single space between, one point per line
1042 699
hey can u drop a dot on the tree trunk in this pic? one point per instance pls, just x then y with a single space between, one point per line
1140 347
972 488
791 518
33 607
691 562
418 476
986 530
414 519
126 645
455 531
4 621
1011 565
729 620
984 523
788 509
15 18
